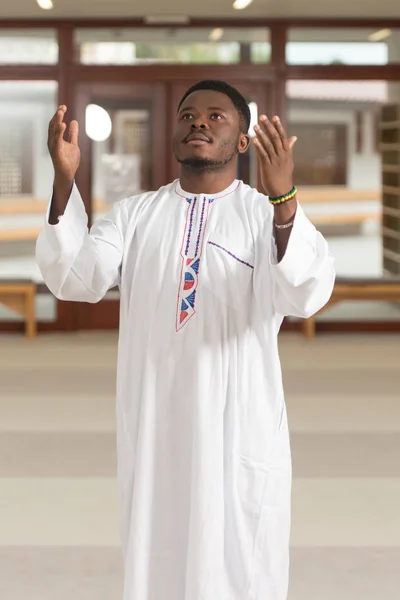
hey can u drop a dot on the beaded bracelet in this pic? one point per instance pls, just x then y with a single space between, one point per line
284 198
285 226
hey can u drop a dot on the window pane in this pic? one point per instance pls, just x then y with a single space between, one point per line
325 46
338 169
121 163
28 46
26 176
172 46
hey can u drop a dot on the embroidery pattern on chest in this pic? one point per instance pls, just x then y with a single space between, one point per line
191 251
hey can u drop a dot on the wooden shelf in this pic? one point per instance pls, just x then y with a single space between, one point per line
389 146
394 256
390 112
390 168
391 212
391 190
386 231
389 125
390 129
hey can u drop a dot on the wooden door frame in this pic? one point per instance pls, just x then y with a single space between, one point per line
104 315
86 93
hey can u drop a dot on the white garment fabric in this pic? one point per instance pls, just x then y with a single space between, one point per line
204 466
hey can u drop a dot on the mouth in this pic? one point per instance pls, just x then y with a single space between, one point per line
197 139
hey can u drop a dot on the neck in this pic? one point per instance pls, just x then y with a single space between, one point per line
206 183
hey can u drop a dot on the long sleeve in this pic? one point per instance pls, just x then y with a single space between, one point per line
302 282
76 264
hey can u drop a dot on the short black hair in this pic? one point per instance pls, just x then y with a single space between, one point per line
224 88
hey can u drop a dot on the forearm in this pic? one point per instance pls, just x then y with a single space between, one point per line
284 214
62 189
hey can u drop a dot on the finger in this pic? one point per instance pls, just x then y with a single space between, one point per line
56 137
262 153
282 133
292 142
73 132
59 136
272 133
59 115
264 142
56 121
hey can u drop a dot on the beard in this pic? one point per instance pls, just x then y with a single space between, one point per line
206 165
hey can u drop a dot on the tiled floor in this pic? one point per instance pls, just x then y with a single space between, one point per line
58 509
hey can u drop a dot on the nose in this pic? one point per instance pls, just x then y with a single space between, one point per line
199 123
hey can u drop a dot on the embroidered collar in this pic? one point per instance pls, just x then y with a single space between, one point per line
232 188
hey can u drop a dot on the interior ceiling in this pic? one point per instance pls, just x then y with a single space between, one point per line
206 9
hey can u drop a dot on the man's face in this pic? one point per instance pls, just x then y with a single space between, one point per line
207 131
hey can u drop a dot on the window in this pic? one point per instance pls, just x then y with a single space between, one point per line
172 46
28 46
327 46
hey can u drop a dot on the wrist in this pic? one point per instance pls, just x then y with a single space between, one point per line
62 179
278 191
284 213
63 184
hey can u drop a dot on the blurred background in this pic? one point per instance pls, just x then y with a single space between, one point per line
333 76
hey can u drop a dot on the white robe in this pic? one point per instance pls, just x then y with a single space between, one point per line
204 467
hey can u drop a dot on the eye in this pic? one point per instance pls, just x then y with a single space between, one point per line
216 116
186 116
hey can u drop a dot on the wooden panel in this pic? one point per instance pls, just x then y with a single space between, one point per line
103 315
32 73
168 73
389 72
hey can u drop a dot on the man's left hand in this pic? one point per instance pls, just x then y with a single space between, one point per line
275 152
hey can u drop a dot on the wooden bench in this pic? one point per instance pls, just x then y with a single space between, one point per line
386 289
19 295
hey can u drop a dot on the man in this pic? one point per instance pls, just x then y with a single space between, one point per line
207 269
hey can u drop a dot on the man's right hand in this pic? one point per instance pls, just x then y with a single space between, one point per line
64 154
66 157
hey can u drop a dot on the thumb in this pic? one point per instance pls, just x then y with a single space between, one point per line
73 133
292 142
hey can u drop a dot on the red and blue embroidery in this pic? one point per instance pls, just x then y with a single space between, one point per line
190 225
230 254
191 250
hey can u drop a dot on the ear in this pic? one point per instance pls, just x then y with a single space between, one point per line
244 143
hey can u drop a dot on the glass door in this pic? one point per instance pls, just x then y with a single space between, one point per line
122 140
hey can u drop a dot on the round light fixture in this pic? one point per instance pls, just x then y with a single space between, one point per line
98 123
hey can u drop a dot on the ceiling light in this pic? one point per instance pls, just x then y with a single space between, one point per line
380 35
45 4
216 34
241 4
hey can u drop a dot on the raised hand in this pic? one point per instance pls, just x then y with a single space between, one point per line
64 154
275 156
